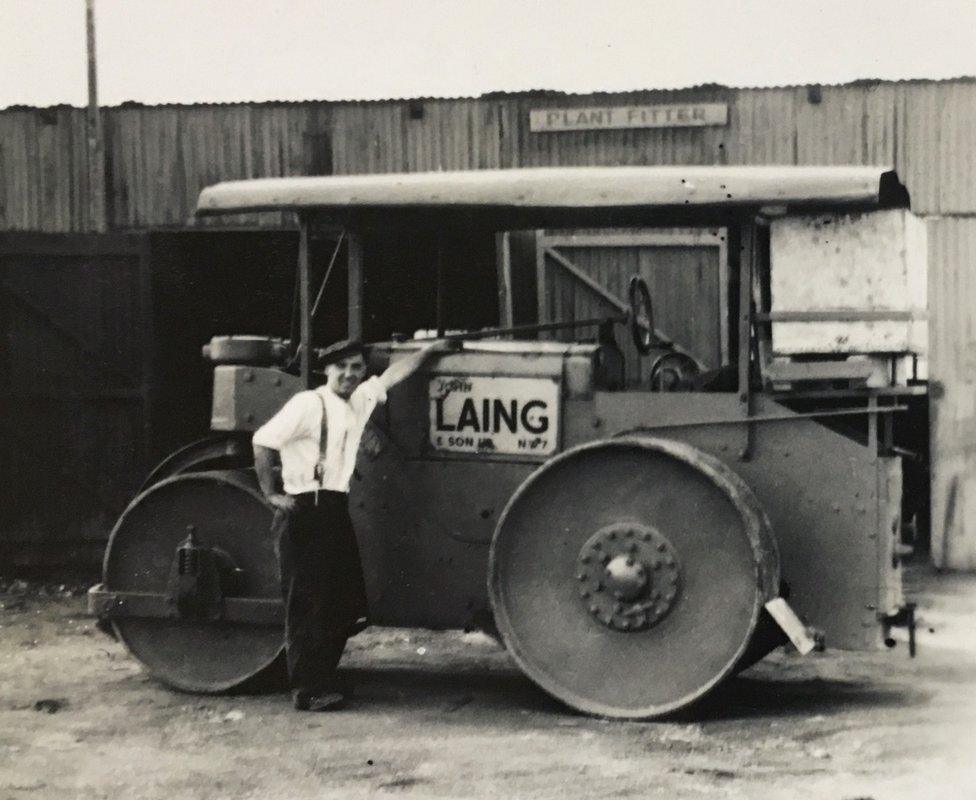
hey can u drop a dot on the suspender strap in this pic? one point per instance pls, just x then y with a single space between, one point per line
323 443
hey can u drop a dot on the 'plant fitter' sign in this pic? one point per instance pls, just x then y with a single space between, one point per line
685 115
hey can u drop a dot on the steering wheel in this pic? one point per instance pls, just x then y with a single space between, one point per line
641 317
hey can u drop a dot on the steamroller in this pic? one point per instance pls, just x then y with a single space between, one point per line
635 523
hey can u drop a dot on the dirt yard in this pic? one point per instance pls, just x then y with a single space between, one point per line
448 715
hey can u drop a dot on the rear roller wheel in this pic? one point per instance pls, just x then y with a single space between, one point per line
227 512
628 576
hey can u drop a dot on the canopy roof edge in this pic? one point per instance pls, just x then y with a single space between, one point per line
559 189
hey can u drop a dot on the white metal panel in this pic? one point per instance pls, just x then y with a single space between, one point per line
871 263
887 336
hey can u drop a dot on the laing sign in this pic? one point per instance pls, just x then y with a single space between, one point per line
685 115
494 415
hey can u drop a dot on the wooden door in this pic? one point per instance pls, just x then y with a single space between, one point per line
585 274
75 385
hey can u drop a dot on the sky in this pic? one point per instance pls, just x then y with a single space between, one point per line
191 51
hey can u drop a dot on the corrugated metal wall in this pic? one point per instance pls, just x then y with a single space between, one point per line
158 158
43 170
952 348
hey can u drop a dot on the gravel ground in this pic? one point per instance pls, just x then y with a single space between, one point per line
448 715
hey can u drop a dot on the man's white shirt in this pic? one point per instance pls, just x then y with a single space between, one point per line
295 433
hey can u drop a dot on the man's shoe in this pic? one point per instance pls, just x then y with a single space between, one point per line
327 700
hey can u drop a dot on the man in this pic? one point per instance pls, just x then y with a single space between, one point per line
317 435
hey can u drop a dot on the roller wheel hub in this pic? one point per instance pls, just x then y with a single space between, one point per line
628 576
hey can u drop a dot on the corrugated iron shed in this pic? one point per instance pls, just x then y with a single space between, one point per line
157 159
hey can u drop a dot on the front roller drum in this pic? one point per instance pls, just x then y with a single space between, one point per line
628 576
227 450
209 641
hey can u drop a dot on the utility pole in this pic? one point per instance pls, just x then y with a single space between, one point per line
93 124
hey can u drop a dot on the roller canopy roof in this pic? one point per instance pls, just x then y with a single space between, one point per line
540 194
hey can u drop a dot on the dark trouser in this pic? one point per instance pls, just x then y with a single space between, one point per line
321 584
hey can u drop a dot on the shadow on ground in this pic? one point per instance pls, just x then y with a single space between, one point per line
499 687
749 697
738 699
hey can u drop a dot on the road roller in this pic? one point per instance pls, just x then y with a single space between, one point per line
636 515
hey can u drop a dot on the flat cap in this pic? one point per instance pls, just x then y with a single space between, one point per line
340 350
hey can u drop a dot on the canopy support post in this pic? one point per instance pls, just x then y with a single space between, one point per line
354 320
440 288
305 308
503 267
747 256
